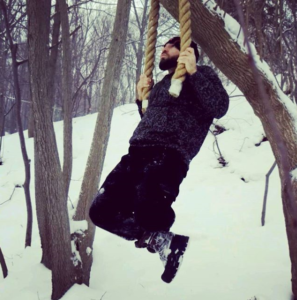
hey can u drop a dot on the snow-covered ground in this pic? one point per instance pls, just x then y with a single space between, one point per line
231 256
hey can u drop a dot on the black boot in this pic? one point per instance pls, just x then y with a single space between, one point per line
171 248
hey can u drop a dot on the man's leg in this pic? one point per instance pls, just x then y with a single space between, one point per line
158 189
113 207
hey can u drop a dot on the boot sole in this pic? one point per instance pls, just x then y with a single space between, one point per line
178 247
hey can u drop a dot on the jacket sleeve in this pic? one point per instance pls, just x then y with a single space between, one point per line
139 105
209 91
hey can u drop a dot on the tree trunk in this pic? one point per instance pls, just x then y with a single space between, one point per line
210 33
50 196
17 91
142 28
31 123
2 76
66 94
54 54
102 130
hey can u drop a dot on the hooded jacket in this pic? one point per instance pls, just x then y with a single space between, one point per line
182 123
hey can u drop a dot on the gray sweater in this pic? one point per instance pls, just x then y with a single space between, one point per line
182 123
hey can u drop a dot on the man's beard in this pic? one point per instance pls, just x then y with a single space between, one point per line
168 63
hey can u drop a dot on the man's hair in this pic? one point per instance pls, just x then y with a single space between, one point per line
175 41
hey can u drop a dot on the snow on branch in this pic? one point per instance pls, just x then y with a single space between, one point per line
236 32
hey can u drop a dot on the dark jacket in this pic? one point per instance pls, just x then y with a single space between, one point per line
182 123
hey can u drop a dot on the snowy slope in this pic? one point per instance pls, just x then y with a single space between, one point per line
231 257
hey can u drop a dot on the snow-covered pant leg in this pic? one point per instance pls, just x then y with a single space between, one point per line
113 207
162 174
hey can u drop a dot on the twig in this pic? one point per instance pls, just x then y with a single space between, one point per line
221 159
103 296
71 202
236 96
243 143
72 33
9 197
266 193
6 114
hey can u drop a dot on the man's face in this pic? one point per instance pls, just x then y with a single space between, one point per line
169 56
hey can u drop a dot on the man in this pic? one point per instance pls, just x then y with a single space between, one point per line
135 200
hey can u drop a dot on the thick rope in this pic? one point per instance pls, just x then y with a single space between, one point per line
150 49
185 33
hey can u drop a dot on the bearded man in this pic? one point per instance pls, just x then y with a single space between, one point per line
135 200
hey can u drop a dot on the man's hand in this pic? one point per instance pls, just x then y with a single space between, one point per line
143 82
188 58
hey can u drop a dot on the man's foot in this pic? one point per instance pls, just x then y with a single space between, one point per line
171 248
178 247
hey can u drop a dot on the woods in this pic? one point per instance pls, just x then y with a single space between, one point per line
64 59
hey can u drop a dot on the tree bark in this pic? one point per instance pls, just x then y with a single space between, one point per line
30 123
210 33
66 94
54 52
26 160
50 196
2 76
102 130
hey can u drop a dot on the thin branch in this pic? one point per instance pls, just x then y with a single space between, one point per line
72 33
266 193
5 115
9 197
236 96
78 4
221 159
90 75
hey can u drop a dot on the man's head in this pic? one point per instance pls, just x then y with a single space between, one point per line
170 53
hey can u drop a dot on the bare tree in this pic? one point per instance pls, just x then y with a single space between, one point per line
226 53
13 48
101 133
66 93
51 200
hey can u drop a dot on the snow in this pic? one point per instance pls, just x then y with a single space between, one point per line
78 226
294 174
230 256
88 250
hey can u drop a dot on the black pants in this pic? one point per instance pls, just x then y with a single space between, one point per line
137 195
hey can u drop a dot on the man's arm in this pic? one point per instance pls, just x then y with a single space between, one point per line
209 91
139 105
143 82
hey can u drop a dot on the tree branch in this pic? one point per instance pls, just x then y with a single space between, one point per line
266 193
3 264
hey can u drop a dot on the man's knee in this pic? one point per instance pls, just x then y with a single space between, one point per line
100 211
